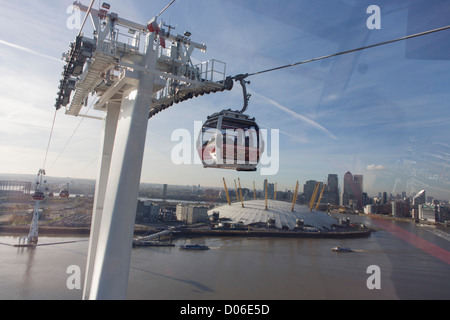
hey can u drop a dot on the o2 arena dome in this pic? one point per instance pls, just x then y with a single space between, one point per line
278 212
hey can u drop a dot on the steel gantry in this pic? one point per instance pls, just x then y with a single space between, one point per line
136 70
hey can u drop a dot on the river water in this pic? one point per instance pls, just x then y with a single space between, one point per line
413 262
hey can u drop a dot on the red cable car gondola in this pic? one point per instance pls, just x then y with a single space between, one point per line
38 195
64 193
230 139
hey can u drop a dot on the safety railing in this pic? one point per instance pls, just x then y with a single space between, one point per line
212 70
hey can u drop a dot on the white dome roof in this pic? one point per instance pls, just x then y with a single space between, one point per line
254 212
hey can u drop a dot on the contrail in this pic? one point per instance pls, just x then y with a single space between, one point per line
15 46
296 115
302 140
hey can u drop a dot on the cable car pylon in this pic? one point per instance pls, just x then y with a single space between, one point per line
134 79
38 196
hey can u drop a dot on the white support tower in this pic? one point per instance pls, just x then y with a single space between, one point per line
38 196
33 234
128 66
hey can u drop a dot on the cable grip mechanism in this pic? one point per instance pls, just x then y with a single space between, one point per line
243 82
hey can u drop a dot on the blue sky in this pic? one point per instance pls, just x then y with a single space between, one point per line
381 112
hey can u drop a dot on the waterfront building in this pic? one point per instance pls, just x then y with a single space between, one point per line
366 199
385 209
369 209
191 213
419 198
444 214
401 209
428 212
147 212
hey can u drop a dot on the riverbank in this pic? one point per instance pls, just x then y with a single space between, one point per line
273 233
201 231
206 231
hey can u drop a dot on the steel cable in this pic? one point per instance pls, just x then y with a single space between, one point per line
352 50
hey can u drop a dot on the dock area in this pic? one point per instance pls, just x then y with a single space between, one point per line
277 233
152 244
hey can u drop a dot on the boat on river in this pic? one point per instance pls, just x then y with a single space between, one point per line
341 249
195 246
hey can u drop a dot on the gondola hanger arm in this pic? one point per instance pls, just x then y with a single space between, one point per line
243 82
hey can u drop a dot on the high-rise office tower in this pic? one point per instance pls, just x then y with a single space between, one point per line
353 190
308 189
333 189
358 182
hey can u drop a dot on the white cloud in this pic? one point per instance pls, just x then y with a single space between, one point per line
375 167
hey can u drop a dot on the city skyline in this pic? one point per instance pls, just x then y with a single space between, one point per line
334 186
381 113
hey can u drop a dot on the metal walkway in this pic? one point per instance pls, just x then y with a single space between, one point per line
154 235
100 64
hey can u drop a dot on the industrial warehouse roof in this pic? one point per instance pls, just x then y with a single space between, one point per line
254 212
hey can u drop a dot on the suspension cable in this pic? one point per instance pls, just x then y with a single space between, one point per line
352 50
73 133
54 117
85 17
166 7
49 139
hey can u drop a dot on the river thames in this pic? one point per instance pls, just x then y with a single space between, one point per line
413 262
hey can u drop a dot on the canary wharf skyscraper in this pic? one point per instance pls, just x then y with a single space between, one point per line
353 190
333 189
